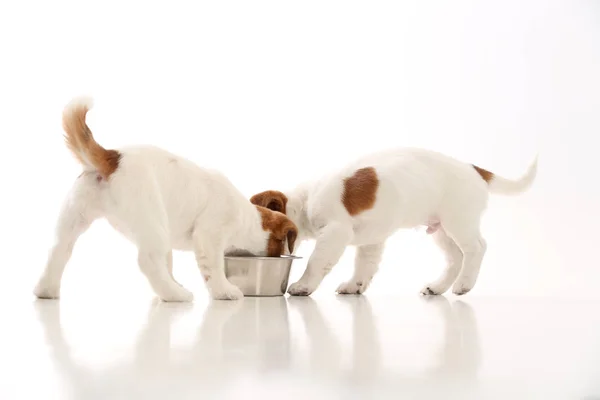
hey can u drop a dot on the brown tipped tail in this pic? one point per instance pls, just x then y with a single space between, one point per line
80 141
500 185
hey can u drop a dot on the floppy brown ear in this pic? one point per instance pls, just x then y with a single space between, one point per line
292 234
271 199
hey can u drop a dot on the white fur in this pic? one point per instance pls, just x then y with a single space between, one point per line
160 202
416 187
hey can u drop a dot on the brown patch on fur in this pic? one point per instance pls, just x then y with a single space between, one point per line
281 228
80 141
360 191
271 199
484 173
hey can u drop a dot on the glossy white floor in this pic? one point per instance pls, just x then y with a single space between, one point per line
328 347
225 83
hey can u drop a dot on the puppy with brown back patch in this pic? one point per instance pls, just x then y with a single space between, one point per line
370 199
161 202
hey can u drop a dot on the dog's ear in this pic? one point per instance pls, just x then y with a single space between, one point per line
271 199
292 234
286 229
280 228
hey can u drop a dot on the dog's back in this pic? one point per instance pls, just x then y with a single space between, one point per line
403 188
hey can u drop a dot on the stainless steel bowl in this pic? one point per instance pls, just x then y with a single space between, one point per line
259 276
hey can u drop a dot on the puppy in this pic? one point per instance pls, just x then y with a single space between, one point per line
160 202
370 199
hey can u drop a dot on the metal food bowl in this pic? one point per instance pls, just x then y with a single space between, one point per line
259 276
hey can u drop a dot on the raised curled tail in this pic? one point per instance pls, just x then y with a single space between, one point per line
80 141
500 185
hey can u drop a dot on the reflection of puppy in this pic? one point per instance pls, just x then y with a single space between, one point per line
160 202
151 357
153 346
366 354
455 370
233 337
325 352
460 355
457 363
364 203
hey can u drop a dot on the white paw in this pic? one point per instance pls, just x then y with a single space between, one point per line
300 289
461 288
177 294
46 291
434 289
352 287
226 291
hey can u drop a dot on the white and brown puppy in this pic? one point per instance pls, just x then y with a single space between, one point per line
370 199
160 202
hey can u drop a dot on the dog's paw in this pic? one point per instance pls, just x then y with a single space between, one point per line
300 289
226 292
433 290
351 287
428 291
44 290
461 288
177 294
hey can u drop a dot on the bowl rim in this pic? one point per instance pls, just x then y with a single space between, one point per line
282 257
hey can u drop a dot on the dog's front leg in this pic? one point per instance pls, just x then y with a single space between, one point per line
209 251
366 265
330 246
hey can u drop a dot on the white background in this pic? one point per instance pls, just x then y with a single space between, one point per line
274 92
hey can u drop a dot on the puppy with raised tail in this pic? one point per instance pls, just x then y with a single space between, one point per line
370 199
160 202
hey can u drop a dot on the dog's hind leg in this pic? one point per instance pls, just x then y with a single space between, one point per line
147 224
79 210
454 261
465 233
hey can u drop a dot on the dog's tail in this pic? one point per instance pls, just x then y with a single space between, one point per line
500 185
80 141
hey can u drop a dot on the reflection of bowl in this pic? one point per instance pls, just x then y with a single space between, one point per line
259 276
265 342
